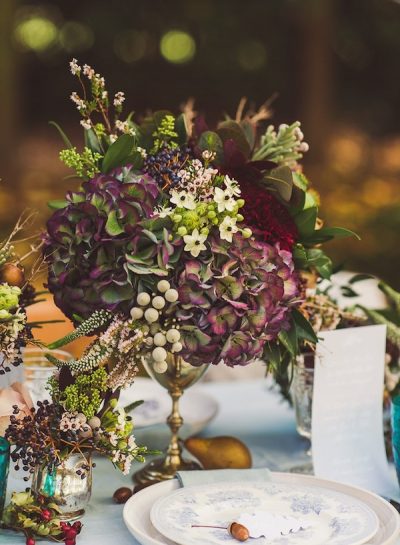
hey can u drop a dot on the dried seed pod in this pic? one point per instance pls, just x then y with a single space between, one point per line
238 531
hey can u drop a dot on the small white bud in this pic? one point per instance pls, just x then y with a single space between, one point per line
94 422
149 341
171 295
173 335
159 339
160 367
159 354
163 286
136 313
177 347
158 302
143 299
151 315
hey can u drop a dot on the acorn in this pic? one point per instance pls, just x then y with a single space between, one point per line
238 531
122 495
13 275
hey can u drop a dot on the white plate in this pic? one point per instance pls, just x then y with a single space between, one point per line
197 408
331 517
137 510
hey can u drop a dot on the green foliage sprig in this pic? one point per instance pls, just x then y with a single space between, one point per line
86 394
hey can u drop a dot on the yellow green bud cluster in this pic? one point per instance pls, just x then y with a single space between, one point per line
165 134
85 164
85 395
9 299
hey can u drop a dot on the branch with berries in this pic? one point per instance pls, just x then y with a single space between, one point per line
38 517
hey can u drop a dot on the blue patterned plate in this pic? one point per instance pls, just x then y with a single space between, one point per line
335 518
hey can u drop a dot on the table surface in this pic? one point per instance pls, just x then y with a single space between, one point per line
249 410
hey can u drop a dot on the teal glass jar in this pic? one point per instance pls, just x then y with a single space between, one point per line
4 465
395 420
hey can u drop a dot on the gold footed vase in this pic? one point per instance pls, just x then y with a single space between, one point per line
178 376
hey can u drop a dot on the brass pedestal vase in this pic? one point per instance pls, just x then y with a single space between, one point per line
178 376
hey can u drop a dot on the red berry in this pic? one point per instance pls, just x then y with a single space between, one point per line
46 514
30 541
70 533
70 541
77 525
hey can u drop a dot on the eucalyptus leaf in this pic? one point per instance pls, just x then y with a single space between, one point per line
281 180
211 141
230 130
181 129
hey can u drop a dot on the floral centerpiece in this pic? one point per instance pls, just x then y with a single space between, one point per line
182 239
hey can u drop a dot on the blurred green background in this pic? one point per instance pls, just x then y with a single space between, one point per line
334 65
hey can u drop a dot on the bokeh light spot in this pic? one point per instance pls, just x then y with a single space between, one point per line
177 46
252 55
76 36
37 33
132 45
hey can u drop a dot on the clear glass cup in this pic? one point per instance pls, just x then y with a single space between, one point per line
38 370
395 421
302 395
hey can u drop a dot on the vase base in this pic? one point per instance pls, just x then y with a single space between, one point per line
69 517
159 470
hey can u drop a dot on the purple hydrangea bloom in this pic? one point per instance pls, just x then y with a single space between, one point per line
235 300
107 243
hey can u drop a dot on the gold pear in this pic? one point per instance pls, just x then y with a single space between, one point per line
223 452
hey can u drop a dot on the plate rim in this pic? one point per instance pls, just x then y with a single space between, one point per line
145 538
174 534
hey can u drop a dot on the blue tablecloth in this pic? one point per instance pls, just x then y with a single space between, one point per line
249 410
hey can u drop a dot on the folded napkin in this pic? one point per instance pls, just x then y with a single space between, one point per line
194 478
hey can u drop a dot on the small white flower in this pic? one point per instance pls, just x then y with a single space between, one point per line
116 456
80 104
131 442
232 187
75 68
86 124
195 243
208 155
123 126
88 71
119 98
104 95
113 138
164 212
224 200
183 199
142 152
113 438
227 228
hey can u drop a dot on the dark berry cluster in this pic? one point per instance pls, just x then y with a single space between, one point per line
164 166
70 531
32 435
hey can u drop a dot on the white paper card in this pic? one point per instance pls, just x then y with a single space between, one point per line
347 421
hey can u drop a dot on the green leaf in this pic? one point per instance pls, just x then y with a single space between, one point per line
65 138
289 340
305 221
135 159
320 261
281 180
304 329
57 204
129 408
329 233
210 140
115 294
113 226
249 132
230 130
118 152
181 129
92 141
347 291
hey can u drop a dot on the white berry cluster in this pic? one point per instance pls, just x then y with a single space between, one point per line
164 335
